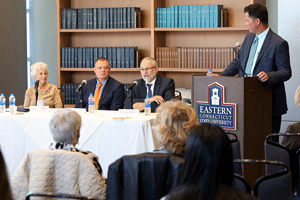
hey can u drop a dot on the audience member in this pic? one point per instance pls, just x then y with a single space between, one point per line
172 126
157 87
5 191
46 91
109 93
65 128
293 142
208 167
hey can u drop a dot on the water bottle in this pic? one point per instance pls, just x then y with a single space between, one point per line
91 103
2 103
147 110
209 73
12 103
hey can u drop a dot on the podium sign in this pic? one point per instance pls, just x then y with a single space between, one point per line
215 110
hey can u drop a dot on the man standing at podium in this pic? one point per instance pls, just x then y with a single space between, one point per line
266 55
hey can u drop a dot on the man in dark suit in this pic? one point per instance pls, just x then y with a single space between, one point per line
110 92
157 87
266 55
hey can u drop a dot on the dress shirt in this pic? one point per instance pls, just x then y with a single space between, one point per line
152 86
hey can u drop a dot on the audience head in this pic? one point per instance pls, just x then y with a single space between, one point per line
102 69
257 11
39 71
65 126
148 69
297 96
172 125
208 163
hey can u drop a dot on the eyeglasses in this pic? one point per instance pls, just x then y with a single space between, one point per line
106 68
146 69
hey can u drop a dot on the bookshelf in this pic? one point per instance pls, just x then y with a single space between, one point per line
148 37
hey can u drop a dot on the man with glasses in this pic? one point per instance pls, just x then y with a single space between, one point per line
157 87
109 93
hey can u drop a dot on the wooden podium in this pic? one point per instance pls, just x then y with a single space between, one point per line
253 101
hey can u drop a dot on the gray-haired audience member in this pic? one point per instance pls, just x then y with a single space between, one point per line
46 91
65 128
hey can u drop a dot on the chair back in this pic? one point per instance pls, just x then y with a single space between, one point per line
236 151
178 96
240 183
58 196
144 176
57 171
277 185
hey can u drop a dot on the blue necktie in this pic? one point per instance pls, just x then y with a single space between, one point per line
149 90
251 56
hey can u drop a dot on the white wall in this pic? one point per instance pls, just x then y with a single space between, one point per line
44 36
289 29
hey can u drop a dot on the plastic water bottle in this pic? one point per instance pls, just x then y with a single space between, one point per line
12 103
2 103
91 103
147 110
209 73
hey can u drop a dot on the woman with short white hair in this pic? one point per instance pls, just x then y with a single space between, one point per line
46 91
65 129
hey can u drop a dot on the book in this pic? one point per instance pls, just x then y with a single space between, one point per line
63 19
95 18
74 18
68 18
122 57
83 57
100 54
124 17
108 24
91 57
87 57
109 56
84 18
95 49
79 55
62 57
75 57
99 16
127 58
114 57
133 56
104 18
118 57
111 18
79 18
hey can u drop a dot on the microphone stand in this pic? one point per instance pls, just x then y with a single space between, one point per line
131 98
80 96
239 63
36 95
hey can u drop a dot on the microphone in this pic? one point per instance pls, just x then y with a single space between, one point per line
81 85
237 51
134 83
36 84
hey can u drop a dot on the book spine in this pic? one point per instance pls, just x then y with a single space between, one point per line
127 57
125 17
83 57
129 17
75 57
63 19
115 18
99 15
118 18
121 18
176 16
198 16
87 57
68 13
104 52
69 57
132 56
95 49
79 57
168 17
109 57
114 57
111 17
91 57
107 18
74 18
79 18
122 57
84 18
100 54
118 57
104 18
211 16
95 18
62 57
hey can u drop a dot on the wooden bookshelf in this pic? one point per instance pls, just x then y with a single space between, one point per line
148 37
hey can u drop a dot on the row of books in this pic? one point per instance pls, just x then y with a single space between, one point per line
71 95
191 16
100 18
85 57
194 57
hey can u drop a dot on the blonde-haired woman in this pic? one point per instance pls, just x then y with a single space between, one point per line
46 91
172 126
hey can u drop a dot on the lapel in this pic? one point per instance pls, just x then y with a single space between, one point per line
157 85
143 89
93 88
104 92
264 46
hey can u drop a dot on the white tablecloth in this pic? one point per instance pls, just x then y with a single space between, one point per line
108 138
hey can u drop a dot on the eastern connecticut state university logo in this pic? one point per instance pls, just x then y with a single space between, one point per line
216 111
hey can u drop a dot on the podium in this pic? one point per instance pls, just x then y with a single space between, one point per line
253 110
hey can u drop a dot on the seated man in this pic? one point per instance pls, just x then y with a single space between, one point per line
109 93
157 87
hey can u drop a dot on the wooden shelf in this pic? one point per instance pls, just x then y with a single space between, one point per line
105 30
222 29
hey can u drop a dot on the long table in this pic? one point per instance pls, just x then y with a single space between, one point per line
101 134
